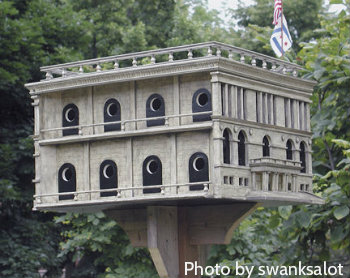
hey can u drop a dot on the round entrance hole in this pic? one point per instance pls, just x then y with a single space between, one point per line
67 174
202 99
152 167
70 115
108 171
156 103
112 109
198 164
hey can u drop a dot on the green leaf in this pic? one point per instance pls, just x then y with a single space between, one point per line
341 212
304 219
285 211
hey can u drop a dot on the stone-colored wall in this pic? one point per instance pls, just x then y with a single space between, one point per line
189 84
122 92
146 88
128 154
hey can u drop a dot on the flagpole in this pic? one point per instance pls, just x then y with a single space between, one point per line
282 26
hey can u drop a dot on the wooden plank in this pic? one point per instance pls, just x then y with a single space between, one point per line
187 252
162 238
216 224
134 223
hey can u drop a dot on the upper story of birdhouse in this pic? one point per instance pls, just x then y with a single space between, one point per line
197 123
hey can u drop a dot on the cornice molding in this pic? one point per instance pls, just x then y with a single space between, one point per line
207 64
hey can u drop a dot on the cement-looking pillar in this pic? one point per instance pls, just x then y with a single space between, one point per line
275 182
265 181
294 183
284 183
253 180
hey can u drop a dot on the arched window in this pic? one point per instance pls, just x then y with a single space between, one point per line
66 181
111 113
302 158
198 170
241 149
152 173
155 107
108 177
226 146
266 146
70 117
201 102
289 150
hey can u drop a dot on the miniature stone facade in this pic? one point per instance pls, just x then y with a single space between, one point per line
221 124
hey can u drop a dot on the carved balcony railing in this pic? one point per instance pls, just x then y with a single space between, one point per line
275 162
129 193
170 55
125 123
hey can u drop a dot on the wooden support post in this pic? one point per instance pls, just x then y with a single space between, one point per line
162 239
187 252
175 235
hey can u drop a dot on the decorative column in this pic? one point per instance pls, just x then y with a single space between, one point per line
36 137
265 181
308 117
234 102
294 183
253 180
217 154
275 182
176 100
271 110
216 95
301 115
287 113
133 114
284 182
259 107
225 101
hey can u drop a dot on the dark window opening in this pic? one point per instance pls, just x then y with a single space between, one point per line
226 146
108 177
152 174
302 158
289 151
66 181
112 113
266 146
198 170
241 149
201 102
155 107
70 117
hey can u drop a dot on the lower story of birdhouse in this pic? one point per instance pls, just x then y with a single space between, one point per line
224 162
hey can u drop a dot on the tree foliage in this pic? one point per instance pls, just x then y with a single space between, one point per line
328 62
260 15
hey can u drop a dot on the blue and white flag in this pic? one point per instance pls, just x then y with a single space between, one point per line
280 40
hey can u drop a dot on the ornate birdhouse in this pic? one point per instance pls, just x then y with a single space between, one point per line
173 139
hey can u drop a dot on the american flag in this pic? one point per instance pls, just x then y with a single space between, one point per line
277 11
